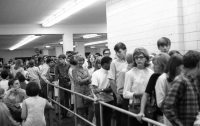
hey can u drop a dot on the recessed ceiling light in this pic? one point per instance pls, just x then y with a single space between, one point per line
61 42
92 47
48 46
90 36
94 43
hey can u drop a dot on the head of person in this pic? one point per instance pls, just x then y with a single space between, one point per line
140 58
191 63
72 60
91 60
80 60
36 58
50 62
45 57
97 55
172 52
106 52
32 89
69 54
14 83
160 62
120 49
151 56
21 78
174 66
97 64
164 44
31 63
4 74
105 62
5 116
2 92
129 58
62 58
18 64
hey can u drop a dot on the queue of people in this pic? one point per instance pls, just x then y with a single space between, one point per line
163 87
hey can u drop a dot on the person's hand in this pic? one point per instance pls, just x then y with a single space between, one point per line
97 91
119 100
55 83
139 117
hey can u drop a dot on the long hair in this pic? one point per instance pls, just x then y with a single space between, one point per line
5 116
175 61
90 65
98 61
162 59
18 64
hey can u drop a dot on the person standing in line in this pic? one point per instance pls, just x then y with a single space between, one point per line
181 104
116 66
45 77
4 81
17 68
91 63
100 84
61 74
164 44
106 52
136 80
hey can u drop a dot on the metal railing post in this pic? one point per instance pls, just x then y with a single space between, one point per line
101 113
75 109
59 105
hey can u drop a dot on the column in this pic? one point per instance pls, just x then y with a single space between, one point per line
58 51
80 48
67 42
45 52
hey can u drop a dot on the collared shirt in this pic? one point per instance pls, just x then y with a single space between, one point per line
62 71
116 66
100 79
136 81
181 103
45 72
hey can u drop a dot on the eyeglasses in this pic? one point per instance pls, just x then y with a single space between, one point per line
139 57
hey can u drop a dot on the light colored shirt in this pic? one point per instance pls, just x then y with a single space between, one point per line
100 79
44 72
34 74
116 67
4 85
136 81
15 71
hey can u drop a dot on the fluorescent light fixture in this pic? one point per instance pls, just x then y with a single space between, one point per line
90 36
71 7
92 47
74 46
61 42
94 43
48 46
24 41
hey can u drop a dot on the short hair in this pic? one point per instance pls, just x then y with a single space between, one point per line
62 56
11 82
4 74
175 61
129 58
105 59
139 51
49 60
163 42
162 60
79 57
72 60
98 54
106 50
191 59
31 63
172 52
71 53
18 74
119 46
21 78
18 64
32 89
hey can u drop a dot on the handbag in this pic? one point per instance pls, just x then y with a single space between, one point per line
134 106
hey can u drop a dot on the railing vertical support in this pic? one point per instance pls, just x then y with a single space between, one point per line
101 113
75 109
59 105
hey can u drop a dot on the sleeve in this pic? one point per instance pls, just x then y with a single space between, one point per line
44 73
56 73
95 79
112 71
121 78
151 84
170 103
127 86
160 90
77 79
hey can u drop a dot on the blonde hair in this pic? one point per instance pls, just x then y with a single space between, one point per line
5 116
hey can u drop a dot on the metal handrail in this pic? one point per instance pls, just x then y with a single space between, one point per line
101 103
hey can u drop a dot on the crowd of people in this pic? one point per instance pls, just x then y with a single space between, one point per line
163 87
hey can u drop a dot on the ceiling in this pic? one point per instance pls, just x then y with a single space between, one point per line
35 11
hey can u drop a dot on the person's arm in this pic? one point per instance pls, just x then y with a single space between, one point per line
127 87
160 89
24 110
44 73
49 105
78 80
56 73
171 101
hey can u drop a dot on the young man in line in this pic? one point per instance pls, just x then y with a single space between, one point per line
116 66
164 44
